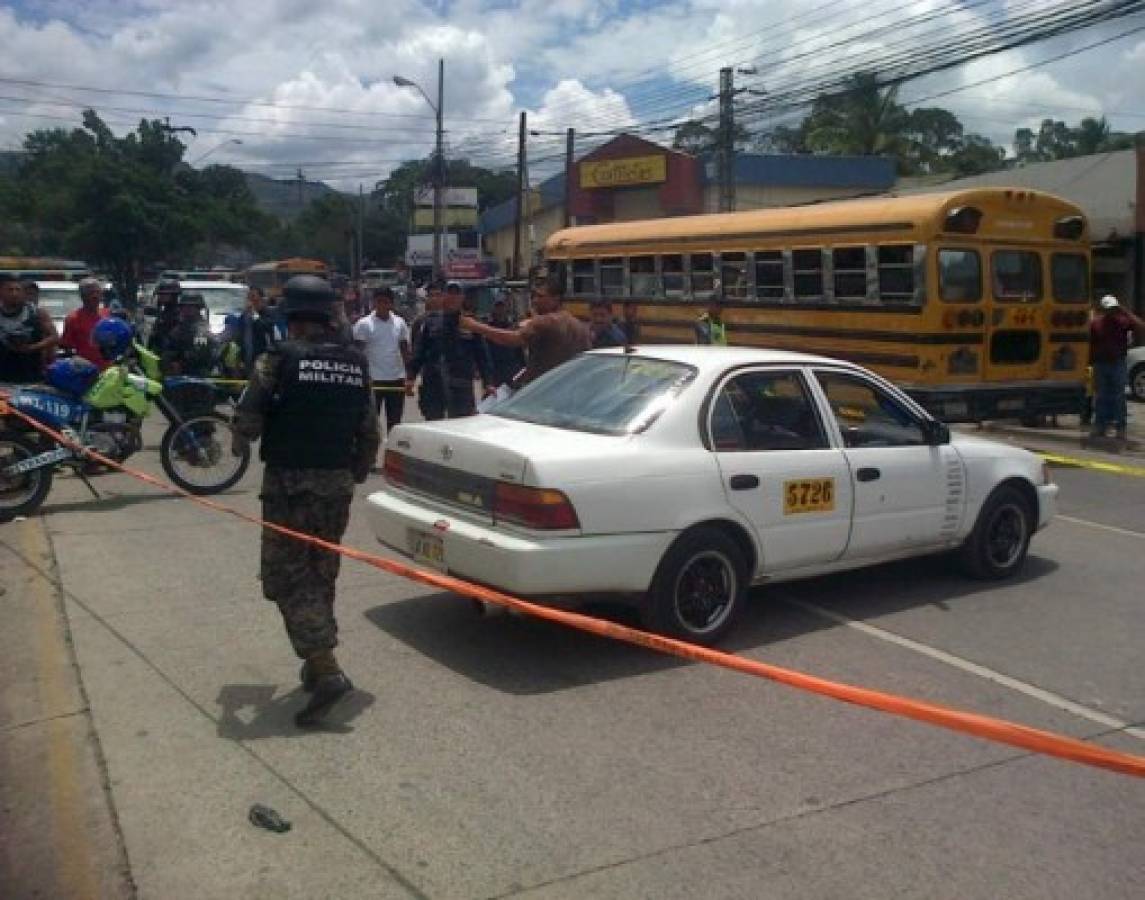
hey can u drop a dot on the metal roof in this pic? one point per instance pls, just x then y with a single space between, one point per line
1104 185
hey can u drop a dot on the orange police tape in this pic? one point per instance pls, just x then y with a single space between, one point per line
999 730
379 389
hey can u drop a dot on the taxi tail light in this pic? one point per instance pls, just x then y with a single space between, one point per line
540 508
395 467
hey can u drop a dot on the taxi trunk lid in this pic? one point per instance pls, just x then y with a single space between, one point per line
458 463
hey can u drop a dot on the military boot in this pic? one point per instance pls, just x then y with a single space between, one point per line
327 684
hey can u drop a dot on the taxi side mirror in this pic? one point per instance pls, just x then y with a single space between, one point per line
935 432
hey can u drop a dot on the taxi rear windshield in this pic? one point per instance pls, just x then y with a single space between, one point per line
604 394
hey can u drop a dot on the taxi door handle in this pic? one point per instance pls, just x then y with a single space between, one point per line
743 482
868 473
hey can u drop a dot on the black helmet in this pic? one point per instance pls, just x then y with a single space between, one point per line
168 286
308 297
192 299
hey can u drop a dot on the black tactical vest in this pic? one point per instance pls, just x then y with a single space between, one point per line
321 397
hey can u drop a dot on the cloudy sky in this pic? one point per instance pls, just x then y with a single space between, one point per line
275 85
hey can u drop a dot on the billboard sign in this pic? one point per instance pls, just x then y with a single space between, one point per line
612 173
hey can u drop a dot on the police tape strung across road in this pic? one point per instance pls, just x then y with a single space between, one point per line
379 388
998 730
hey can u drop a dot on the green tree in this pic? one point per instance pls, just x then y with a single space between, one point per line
699 139
123 202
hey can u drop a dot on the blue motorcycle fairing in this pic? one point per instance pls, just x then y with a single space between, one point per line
54 408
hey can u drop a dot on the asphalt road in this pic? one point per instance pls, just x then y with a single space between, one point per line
510 757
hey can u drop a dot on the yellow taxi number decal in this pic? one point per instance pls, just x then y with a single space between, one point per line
808 495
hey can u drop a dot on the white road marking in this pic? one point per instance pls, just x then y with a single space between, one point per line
1113 528
1014 684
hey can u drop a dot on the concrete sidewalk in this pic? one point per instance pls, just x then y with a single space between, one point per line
1068 431
58 834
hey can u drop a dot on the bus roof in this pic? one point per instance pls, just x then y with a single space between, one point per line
295 262
914 214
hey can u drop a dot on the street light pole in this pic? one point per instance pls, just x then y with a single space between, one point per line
439 172
438 168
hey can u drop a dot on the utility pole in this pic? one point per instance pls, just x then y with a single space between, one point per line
570 141
439 172
520 197
725 145
301 181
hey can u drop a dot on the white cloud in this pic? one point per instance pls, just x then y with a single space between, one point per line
591 64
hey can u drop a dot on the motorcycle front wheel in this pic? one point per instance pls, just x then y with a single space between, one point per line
196 455
23 493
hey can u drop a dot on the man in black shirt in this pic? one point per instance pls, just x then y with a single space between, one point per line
448 361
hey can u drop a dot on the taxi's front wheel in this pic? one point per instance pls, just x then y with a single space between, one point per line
998 544
699 587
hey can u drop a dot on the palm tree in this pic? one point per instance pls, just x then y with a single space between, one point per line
864 119
1091 136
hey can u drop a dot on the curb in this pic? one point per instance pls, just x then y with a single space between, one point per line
1071 438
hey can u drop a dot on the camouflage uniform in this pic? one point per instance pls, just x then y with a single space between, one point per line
298 576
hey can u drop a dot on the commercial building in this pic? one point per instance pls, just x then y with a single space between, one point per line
631 178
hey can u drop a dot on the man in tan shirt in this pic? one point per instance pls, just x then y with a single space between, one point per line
550 337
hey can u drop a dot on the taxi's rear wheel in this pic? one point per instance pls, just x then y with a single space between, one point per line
699 587
998 544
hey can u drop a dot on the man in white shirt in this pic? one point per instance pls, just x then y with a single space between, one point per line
385 339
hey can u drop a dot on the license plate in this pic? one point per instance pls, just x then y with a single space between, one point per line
426 548
808 495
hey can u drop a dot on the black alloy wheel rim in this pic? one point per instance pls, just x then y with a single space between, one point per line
705 591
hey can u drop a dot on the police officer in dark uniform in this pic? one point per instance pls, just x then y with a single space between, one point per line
308 399
167 299
448 360
189 348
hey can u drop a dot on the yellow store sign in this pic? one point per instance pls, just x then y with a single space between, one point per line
609 173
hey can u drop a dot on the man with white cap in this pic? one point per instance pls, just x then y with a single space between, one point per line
1109 335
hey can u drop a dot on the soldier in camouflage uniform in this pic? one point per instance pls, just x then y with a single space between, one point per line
309 401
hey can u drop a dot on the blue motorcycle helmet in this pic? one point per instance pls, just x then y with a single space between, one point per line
72 376
112 337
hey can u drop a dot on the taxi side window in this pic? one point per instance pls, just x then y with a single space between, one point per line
867 415
765 411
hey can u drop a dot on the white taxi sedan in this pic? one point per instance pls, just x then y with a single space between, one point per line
679 476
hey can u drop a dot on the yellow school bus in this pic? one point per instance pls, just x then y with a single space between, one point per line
271 276
975 301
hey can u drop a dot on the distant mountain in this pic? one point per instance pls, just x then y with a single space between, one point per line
285 198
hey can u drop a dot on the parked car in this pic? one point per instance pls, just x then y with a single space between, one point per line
221 297
59 298
1136 363
675 477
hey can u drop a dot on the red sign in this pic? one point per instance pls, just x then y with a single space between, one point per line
464 268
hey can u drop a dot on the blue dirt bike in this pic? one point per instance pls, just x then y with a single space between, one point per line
104 412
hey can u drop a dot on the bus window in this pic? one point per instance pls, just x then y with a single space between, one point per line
849 265
808 265
896 273
584 277
1069 274
642 276
1017 275
703 275
959 276
769 275
672 276
733 275
612 276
